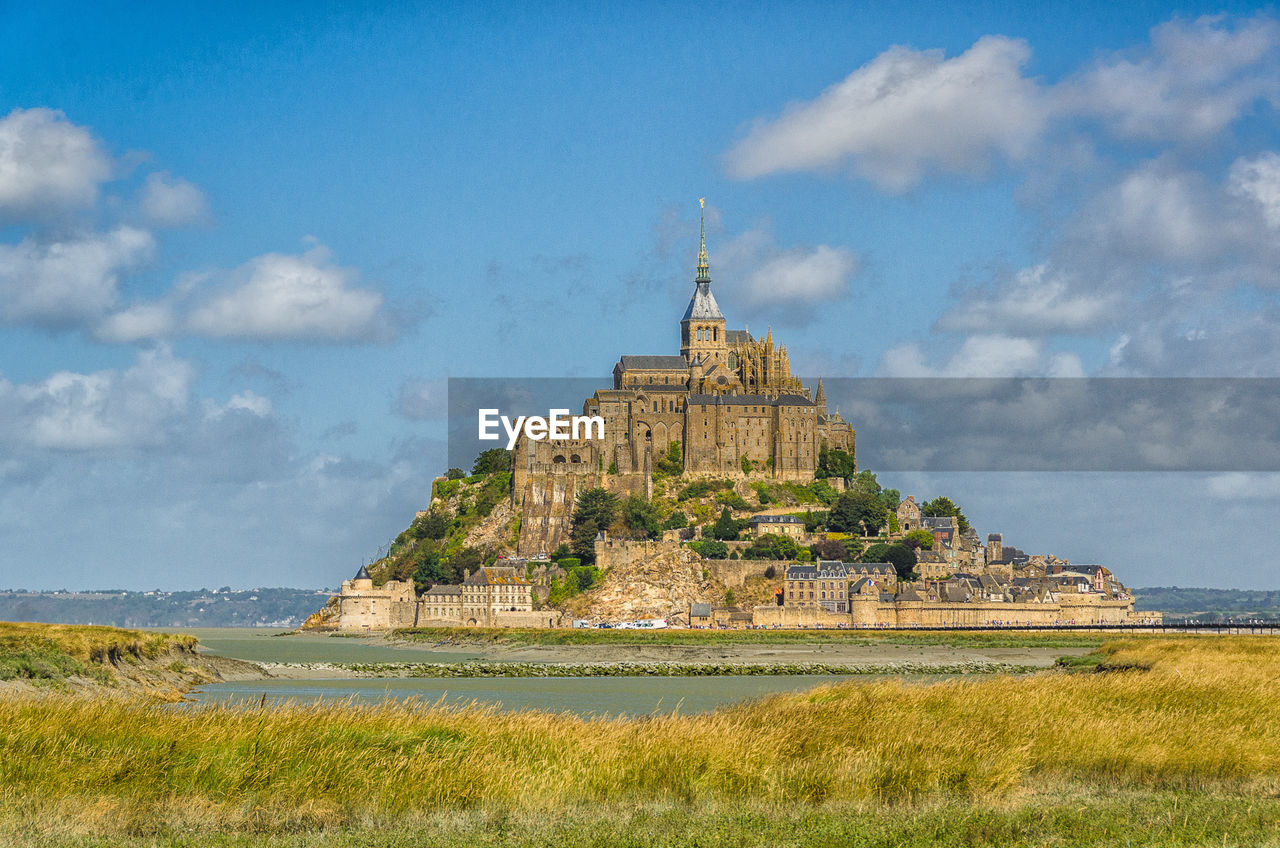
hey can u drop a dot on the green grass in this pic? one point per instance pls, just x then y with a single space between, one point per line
591 636
1061 816
52 653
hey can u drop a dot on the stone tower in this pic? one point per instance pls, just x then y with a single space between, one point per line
702 334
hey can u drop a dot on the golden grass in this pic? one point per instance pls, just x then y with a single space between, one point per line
1204 717
91 643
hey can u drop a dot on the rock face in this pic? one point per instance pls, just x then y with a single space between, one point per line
660 585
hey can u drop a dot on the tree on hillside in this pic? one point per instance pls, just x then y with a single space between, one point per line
772 546
671 463
428 569
641 517
902 558
491 460
918 539
726 527
944 506
594 511
830 549
858 511
833 462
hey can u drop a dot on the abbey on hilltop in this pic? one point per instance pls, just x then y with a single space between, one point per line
726 405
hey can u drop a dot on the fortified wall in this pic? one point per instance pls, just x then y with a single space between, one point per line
871 612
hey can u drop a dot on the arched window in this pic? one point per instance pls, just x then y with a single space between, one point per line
558 458
575 459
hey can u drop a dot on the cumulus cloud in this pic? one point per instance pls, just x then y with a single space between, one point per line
785 282
172 202
982 356
909 113
904 114
106 409
1244 486
1196 78
1033 300
422 400
68 281
291 297
1258 180
47 165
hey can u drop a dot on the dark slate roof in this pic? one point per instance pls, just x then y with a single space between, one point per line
870 568
443 589
939 521
737 336
703 304
776 519
700 610
654 363
994 537
909 594
363 574
651 388
1084 569
827 569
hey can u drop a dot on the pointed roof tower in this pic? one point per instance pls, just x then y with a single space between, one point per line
821 397
363 573
703 306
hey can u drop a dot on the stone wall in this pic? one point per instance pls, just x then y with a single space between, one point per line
868 611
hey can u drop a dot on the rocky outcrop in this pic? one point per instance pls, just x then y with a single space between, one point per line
659 585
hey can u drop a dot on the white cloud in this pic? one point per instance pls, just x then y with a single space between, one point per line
763 277
1034 300
289 297
1258 179
66 282
105 409
422 400
173 202
139 322
1196 79
982 356
905 113
47 164
251 401
1246 486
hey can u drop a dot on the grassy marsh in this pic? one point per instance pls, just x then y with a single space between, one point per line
1186 752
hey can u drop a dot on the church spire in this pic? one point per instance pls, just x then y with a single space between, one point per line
821 397
704 267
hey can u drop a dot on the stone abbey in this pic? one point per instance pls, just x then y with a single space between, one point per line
727 402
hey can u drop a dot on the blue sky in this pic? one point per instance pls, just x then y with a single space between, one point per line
241 248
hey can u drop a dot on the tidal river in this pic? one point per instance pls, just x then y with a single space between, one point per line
615 696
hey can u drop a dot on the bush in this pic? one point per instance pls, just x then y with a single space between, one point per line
733 500
445 489
710 549
671 463
569 563
455 474
702 488
491 460
772 546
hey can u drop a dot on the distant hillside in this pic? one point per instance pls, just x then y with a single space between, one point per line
203 608
1209 604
